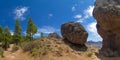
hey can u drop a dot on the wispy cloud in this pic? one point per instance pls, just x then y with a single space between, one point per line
78 16
46 30
88 11
87 14
24 33
93 31
20 12
92 27
11 32
50 15
73 8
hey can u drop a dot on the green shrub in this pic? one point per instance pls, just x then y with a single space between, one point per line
48 42
89 54
34 52
15 48
44 48
28 46
1 52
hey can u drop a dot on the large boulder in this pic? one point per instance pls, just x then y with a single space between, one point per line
107 14
74 33
54 35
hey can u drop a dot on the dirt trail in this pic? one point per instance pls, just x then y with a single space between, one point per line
9 55
18 55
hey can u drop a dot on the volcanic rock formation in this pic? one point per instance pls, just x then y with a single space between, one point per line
107 14
74 33
54 35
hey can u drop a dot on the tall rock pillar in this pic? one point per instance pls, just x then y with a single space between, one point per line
107 14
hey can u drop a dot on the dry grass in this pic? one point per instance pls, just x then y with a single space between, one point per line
59 51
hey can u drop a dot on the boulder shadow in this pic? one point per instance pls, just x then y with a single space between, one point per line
102 57
76 47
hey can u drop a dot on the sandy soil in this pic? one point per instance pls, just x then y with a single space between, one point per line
71 55
18 55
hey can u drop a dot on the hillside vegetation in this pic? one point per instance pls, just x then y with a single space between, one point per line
47 49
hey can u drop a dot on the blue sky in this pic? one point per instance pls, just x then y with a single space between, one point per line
48 15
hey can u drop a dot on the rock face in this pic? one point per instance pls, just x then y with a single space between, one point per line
107 14
54 35
74 33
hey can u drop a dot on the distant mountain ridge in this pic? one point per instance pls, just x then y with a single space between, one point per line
97 44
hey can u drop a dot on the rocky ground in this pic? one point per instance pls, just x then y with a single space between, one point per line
61 51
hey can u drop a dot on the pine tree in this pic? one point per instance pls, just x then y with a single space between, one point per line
6 38
17 32
42 34
1 29
31 29
1 33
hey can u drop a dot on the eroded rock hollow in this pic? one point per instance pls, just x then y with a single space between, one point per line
107 14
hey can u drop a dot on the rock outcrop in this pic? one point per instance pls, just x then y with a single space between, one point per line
107 14
74 33
54 35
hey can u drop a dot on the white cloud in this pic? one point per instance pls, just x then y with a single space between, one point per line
93 31
20 12
78 16
11 32
87 14
46 30
92 27
24 33
50 15
73 8
80 20
88 11
37 35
